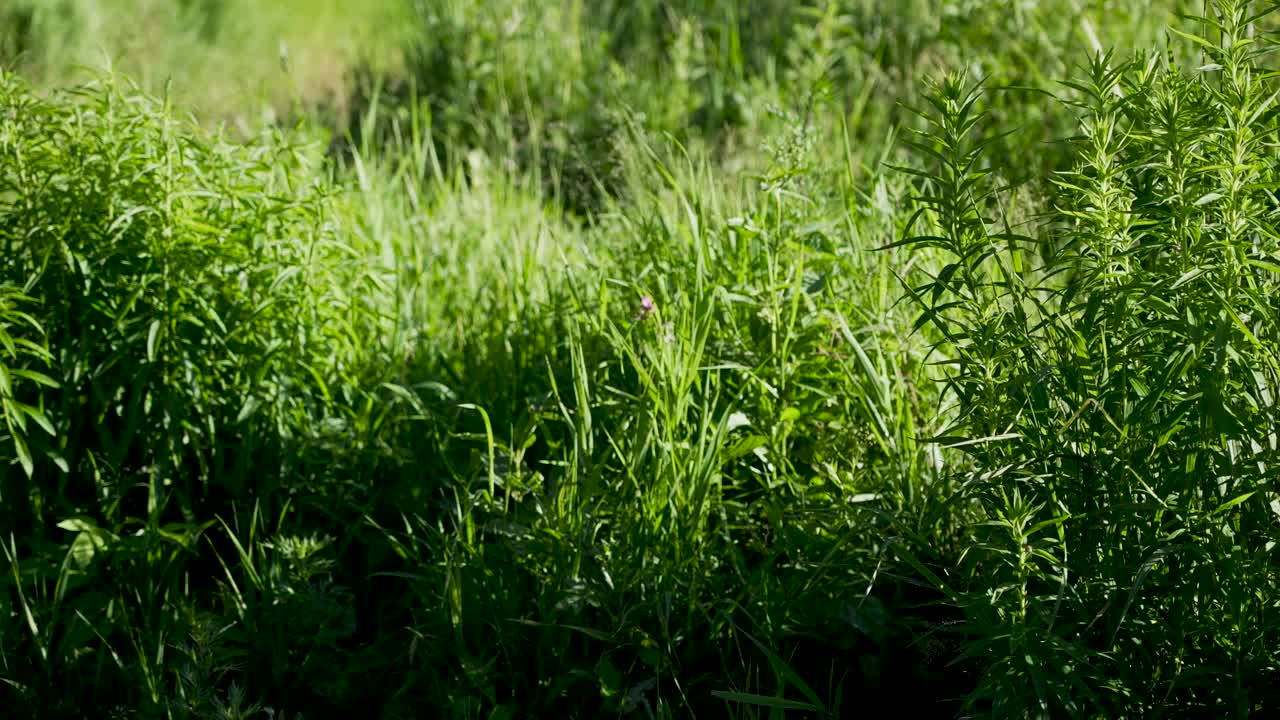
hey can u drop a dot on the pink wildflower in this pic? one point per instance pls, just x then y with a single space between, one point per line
647 307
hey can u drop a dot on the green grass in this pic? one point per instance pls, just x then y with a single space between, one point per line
233 61
681 359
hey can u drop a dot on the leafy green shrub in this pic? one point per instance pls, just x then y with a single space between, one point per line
208 337
1114 370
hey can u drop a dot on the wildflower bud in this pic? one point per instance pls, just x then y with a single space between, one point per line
646 307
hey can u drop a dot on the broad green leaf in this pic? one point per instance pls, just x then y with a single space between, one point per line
82 549
250 406
78 524
745 446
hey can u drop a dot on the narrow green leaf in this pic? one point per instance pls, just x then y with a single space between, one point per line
36 377
1232 503
984 440
1264 265
1188 277
785 671
764 701
152 334
14 415
40 418
24 455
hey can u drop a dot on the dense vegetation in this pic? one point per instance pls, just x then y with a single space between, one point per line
683 358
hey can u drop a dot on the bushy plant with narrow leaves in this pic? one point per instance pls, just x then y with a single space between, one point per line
204 346
1114 371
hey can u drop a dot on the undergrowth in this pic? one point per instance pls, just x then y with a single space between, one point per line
648 360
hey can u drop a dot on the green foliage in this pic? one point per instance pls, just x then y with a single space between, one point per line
1114 370
144 253
554 89
567 381
234 61
147 249
20 354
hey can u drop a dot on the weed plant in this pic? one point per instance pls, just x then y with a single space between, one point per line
1113 366
181 333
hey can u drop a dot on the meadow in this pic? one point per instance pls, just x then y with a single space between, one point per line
639 358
